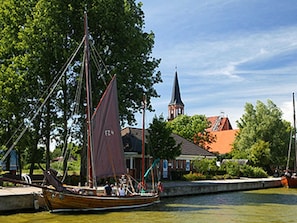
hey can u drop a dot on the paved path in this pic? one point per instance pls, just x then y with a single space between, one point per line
4 191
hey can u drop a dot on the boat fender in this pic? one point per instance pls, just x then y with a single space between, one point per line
36 204
26 178
160 187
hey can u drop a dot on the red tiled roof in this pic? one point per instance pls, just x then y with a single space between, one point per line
224 140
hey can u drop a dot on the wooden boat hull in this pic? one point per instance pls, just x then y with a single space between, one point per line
289 182
60 201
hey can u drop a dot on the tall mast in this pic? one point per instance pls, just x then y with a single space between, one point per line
89 104
294 132
143 137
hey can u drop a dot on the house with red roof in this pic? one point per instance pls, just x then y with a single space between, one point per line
218 123
220 126
221 129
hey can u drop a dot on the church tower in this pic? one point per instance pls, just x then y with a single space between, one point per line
176 106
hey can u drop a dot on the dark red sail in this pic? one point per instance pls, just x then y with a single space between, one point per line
108 152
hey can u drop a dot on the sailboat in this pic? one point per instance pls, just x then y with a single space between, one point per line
290 179
105 159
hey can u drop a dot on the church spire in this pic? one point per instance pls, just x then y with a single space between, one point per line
176 106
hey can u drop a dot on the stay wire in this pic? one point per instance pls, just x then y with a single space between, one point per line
54 85
75 111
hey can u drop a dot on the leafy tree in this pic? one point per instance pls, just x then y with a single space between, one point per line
193 129
161 144
259 154
262 131
38 36
13 84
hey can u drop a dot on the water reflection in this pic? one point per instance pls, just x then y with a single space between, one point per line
269 205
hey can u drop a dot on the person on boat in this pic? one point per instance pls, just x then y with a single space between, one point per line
142 187
288 173
107 189
160 187
123 180
113 190
121 191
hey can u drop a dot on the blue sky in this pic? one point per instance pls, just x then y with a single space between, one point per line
226 53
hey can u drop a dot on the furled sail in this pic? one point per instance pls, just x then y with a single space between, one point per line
108 152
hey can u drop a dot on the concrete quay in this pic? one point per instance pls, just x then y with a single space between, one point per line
29 198
184 188
20 198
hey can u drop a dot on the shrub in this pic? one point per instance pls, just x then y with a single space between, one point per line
246 171
194 176
205 166
250 171
259 172
231 168
206 169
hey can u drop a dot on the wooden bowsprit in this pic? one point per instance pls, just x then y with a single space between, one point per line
5 179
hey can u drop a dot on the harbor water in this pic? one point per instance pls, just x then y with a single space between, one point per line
256 206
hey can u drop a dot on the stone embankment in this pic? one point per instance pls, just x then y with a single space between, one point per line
20 198
29 198
172 189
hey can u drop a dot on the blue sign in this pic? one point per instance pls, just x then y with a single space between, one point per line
165 169
13 161
188 165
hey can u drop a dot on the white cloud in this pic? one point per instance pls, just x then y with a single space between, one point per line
287 109
227 53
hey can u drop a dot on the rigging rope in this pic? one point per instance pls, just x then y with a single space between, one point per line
75 111
41 106
95 54
32 111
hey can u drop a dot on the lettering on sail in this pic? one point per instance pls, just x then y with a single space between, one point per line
108 132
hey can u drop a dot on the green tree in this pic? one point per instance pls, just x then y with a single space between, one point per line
161 144
193 129
13 84
262 128
259 153
38 36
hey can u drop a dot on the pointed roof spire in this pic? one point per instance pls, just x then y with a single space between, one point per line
176 98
